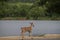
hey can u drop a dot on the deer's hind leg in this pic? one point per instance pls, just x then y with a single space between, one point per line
22 33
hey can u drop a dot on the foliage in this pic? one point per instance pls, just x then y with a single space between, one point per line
37 12
14 10
39 9
52 6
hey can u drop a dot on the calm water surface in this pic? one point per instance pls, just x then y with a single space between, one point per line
13 27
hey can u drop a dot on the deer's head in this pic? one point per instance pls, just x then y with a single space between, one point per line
32 24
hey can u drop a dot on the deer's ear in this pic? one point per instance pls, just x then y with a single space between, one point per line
31 23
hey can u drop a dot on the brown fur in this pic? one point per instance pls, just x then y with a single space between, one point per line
27 29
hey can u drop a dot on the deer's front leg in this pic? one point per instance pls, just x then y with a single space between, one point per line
30 33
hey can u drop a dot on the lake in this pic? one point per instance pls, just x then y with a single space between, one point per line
13 27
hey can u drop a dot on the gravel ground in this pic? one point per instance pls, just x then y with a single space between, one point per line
32 39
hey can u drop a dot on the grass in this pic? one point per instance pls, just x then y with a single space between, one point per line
13 18
24 18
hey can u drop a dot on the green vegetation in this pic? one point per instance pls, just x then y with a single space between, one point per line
42 35
30 10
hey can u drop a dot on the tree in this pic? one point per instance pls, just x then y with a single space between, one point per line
39 2
4 0
53 6
37 12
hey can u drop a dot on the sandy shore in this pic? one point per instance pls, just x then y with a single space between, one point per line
26 37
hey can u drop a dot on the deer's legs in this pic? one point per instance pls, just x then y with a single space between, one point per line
22 35
30 34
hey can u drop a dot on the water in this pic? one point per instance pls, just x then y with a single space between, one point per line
13 27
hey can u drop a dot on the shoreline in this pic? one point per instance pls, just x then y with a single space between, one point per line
47 36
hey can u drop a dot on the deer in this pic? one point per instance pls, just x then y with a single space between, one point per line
27 29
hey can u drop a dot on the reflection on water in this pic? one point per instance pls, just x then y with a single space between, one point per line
12 27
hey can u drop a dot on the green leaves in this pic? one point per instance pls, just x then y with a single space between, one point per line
12 9
37 12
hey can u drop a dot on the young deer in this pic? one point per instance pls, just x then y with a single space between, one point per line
27 29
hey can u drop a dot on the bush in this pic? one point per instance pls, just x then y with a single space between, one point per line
37 12
14 10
